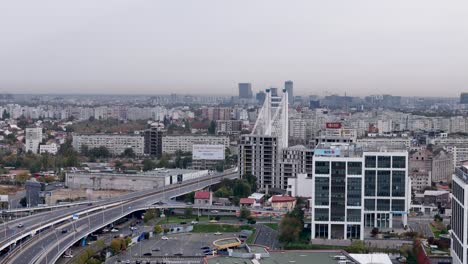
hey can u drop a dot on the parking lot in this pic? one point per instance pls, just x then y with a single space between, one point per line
186 244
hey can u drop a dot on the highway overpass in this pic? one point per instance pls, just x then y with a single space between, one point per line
48 245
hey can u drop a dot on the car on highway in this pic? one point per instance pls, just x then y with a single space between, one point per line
105 230
218 233
64 231
156 249
67 256
20 225
147 254
164 238
178 254
133 228
213 221
214 211
114 230
205 248
194 222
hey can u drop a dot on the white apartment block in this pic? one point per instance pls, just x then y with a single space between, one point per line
48 148
357 190
391 142
116 144
297 128
171 144
420 180
33 139
459 224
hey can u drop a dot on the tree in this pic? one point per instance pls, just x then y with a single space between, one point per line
438 218
212 128
244 213
289 229
148 165
158 229
129 153
116 245
99 152
188 212
357 247
22 177
223 192
149 215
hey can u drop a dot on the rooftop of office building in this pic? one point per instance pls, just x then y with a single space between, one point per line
288 256
352 150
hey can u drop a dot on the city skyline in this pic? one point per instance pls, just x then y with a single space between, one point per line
402 48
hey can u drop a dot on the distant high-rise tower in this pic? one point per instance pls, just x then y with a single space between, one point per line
464 98
245 90
288 86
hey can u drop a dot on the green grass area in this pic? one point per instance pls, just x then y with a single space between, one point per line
211 228
250 239
273 226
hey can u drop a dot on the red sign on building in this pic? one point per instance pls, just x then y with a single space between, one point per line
333 125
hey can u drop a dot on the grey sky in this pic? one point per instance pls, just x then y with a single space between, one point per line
405 47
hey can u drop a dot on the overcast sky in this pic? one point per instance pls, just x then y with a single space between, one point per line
401 47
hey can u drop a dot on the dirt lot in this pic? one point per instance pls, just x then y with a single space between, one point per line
63 194
8 189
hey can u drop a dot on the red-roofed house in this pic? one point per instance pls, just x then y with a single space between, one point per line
247 202
279 202
203 198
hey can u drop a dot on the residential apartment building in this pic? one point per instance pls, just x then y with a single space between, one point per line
228 127
172 144
258 156
442 166
153 140
420 180
116 144
297 128
48 148
355 188
459 224
33 139
295 160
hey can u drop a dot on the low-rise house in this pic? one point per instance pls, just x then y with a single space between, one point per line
203 198
279 202
247 202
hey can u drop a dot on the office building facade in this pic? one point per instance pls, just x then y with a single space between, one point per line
352 192
289 87
153 140
459 224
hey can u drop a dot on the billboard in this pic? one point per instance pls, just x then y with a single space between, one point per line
333 125
3 198
208 152
327 152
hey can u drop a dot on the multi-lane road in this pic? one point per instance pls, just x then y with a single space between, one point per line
50 244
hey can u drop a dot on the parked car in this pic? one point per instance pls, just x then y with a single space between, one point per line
114 230
156 249
194 222
213 221
214 211
64 231
218 233
204 248
147 254
20 225
164 238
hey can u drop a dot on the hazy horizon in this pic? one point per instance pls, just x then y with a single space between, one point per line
407 48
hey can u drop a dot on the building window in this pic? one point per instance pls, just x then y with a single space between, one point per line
322 189
384 161
398 183
322 167
369 182
383 205
369 204
399 162
337 191
398 205
370 162
321 231
353 232
383 183
354 191
354 215
321 214
354 168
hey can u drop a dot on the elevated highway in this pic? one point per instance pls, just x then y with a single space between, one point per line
47 243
